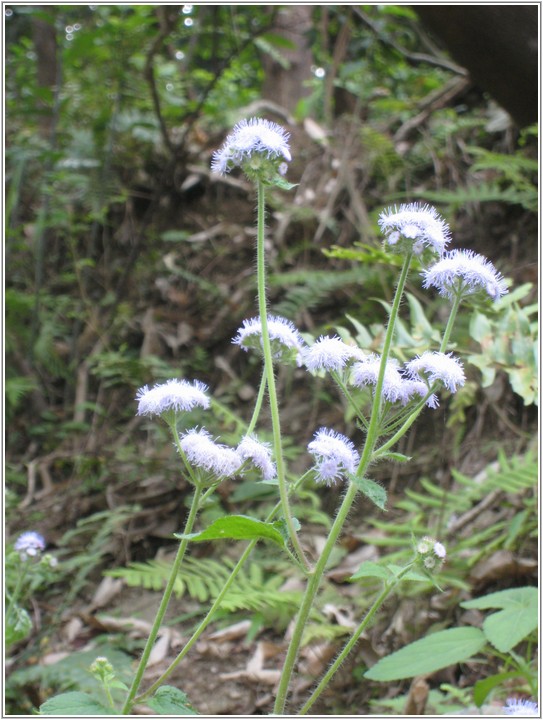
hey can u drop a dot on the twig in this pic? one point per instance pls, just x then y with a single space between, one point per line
411 57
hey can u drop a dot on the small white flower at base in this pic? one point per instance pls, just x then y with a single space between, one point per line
204 453
521 708
421 224
175 395
334 454
438 366
329 353
286 342
252 143
29 544
259 454
464 272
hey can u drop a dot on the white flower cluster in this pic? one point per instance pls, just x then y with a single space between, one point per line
29 544
249 144
176 395
222 461
334 456
521 708
419 223
432 553
286 342
465 272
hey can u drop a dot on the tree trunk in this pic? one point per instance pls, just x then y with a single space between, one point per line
285 85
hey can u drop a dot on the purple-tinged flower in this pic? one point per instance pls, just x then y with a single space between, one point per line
367 372
438 366
330 353
420 223
250 138
204 453
176 395
410 388
259 454
29 544
521 708
334 454
440 550
286 342
464 272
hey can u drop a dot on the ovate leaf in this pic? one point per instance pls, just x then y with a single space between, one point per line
238 527
169 700
74 703
372 490
432 653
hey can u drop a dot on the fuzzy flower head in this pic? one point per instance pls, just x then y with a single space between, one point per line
259 147
286 342
416 388
29 544
204 453
521 708
437 367
329 353
367 372
431 554
414 227
173 395
334 455
259 454
463 272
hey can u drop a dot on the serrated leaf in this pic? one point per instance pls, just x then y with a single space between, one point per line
19 626
169 700
372 490
371 569
237 527
517 619
74 703
429 654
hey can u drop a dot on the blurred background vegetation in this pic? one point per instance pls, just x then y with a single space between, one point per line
127 262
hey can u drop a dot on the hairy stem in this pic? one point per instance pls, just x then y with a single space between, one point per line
163 604
270 378
366 459
379 600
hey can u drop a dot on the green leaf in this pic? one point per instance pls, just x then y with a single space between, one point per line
371 569
74 703
19 626
517 619
394 456
432 653
169 700
238 527
372 490
483 687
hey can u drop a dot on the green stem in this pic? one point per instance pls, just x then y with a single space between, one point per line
258 405
371 438
164 603
17 590
270 378
379 600
450 322
213 609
